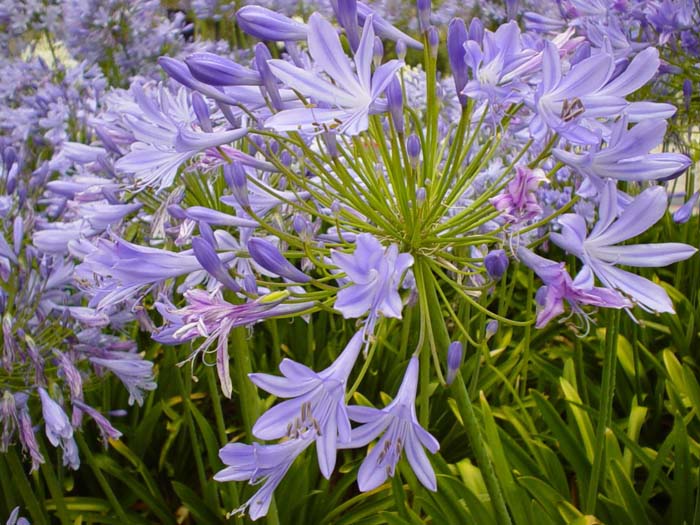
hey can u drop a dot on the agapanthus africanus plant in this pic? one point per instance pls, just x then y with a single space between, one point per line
328 178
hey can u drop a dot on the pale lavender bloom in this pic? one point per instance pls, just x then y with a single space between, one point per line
256 463
352 95
216 70
123 268
104 426
627 155
59 430
166 138
26 432
317 403
375 274
496 263
600 253
132 370
210 316
56 421
589 91
518 202
559 287
400 430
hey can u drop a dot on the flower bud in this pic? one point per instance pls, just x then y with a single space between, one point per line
237 181
454 360
420 195
269 257
346 13
395 99
687 93
401 49
202 112
265 24
683 214
433 41
423 8
496 263
377 51
491 329
413 148
456 38
216 70
269 81
512 9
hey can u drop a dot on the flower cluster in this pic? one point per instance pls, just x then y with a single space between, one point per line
321 170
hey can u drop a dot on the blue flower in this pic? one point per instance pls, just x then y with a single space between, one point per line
375 273
401 431
600 253
317 403
260 462
349 99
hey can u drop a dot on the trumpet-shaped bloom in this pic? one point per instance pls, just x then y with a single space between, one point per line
627 156
348 98
317 403
400 431
375 273
600 252
256 463
559 287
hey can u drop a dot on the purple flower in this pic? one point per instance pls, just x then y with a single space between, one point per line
132 370
518 202
559 287
317 403
599 252
59 430
256 463
216 70
375 273
627 155
401 431
349 98
210 316
104 426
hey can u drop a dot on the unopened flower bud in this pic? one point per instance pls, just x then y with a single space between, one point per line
433 41
377 51
491 329
687 93
496 263
346 13
395 99
401 49
420 195
456 38
683 214
413 148
201 111
454 360
269 257
423 8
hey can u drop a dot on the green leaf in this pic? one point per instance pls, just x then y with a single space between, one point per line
199 509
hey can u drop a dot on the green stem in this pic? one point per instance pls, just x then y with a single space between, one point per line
104 484
247 392
22 484
476 439
605 411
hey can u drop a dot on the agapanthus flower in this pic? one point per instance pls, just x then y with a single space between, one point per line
349 99
316 403
374 274
256 463
210 316
400 430
560 287
627 155
132 370
518 202
600 252
15 518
